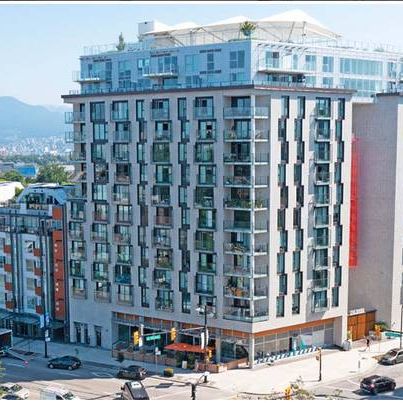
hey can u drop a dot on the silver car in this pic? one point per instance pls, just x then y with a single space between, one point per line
15 389
394 356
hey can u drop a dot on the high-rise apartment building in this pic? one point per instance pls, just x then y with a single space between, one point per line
376 279
34 296
233 195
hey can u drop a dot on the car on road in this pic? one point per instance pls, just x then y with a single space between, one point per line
11 397
66 362
14 389
56 393
392 357
133 372
376 383
134 391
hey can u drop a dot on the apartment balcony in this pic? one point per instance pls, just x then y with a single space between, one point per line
163 221
121 198
122 136
206 267
123 278
163 136
320 284
121 157
246 113
245 135
77 193
206 135
245 226
78 156
79 293
201 289
75 137
161 157
125 299
159 114
101 257
76 234
160 200
246 181
203 112
204 157
322 178
74 117
88 77
8 286
122 258
78 255
123 239
78 272
205 246
122 179
120 115
165 71
162 284
243 204
318 201
237 292
164 305
161 242
102 296
322 113
321 221
81 176
319 243
244 314
323 135
98 275
321 265
203 224
99 236
323 158
209 180
163 180
164 263
238 248
124 219
320 306
238 158
100 217
204 202
239 271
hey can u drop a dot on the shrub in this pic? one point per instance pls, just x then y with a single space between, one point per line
383 325
169 372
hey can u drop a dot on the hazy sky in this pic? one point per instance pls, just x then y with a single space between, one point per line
40 44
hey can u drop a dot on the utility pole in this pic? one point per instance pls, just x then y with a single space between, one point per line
401 324
319 358
205 342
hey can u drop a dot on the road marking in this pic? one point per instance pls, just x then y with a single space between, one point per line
16 365
337 388
353 383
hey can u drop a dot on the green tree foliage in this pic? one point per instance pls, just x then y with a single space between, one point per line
52 173
12 176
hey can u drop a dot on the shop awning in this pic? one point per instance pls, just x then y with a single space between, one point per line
185 347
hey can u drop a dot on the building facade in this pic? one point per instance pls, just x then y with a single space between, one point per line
32 263
376 280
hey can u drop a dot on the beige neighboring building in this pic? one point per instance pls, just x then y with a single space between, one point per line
8 190
376 281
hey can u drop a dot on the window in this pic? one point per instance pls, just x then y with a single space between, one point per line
296 260
361 67
30 284
335 296
310 62
204 283
97 111
120 110
99 192
186 302
337 276
341 108
210 61
100 131
295 303
327 64
364 88
280 306
272 59
280 263
192 63
237 59
182 109
285 106
301 108
139 109
327 82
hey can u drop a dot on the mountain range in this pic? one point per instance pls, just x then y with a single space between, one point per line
19 120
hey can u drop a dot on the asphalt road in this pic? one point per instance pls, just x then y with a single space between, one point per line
350 388
93 382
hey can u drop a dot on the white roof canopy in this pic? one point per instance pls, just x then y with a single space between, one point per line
291 26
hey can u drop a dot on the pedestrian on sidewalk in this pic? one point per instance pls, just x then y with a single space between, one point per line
368 344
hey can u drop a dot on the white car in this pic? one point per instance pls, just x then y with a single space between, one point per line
15 389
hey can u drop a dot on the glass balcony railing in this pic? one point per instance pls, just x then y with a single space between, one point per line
246 112
161 242
99 236
123 198
322 135
205 224
204 245
163 220
121 178
75 137
88 76
79 293
322 177
76 234
237 292
102 296
245 314
126 218
164 304
125 299
122 238
237 247
163 135
204 202
206 267
162 283
245 181
160 200
203 112
120 115
320 283
163 262
246 204
74 117
122 136
245 135
122 156
78 255
123 278
206 135
245 225
102 257
78 156
160 114
168 70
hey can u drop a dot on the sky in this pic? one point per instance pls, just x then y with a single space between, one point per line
40 44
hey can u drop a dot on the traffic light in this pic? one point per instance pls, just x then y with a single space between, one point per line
173 334
136 338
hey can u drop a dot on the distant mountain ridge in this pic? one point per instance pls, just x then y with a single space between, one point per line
19 120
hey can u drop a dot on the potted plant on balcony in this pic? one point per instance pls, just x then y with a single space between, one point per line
247 28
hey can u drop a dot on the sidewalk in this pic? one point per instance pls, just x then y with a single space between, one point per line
261 380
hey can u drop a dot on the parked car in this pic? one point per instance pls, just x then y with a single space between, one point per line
134 391
392 357
56 393
66 362
11 397
376 383
132 372
15 390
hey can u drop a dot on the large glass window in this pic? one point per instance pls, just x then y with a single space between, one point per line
237 59
310 62
192 63
272 59
361 67
327 64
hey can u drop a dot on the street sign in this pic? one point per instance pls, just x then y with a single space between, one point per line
153 337
47 339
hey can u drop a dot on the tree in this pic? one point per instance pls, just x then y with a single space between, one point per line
52 173
12 176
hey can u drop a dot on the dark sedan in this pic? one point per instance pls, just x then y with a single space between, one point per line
133 372
376 383
66 362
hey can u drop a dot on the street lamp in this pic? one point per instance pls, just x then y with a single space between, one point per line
202 309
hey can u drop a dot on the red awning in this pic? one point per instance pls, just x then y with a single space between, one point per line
189 348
